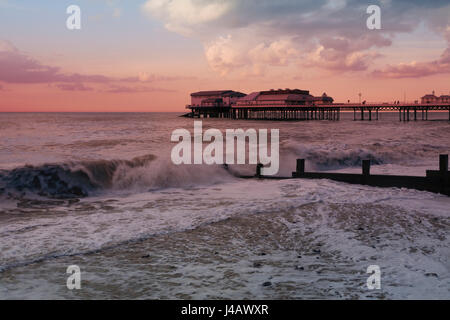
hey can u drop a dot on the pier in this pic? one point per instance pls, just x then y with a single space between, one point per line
331 112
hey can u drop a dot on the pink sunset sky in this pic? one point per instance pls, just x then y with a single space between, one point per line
150 55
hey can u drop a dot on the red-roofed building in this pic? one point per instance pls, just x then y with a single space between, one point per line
286 97
432 98
218 98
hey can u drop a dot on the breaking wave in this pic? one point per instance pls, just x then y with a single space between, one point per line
66 180
87 178
146 173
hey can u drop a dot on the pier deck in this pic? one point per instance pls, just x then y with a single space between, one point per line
369 112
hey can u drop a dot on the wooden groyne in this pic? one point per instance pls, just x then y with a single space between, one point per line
437 181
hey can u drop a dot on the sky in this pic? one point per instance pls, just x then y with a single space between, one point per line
149 55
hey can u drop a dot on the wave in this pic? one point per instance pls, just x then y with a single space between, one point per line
66 180
87 178
146 173
325 157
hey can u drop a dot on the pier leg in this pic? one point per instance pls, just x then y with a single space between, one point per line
362 114
377 113
400 114
415 114
370 114
354 114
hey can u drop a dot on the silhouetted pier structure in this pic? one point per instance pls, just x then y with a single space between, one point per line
406 112
270 112
332 112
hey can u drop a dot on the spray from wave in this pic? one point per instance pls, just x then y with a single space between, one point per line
86 178
66 180
326 157
147 173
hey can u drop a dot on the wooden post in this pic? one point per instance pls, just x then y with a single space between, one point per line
300 169
443 164
258 170
366 167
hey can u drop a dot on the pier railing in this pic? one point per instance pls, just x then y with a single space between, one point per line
296 112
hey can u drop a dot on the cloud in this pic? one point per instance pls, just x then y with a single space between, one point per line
117 13
140 89
182 15
438 21
277 53
146 77
224 55
18 68
327 34
417 69
343 54
73 87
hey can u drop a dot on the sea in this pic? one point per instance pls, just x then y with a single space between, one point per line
99 191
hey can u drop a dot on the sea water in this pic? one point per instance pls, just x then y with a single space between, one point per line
98 190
